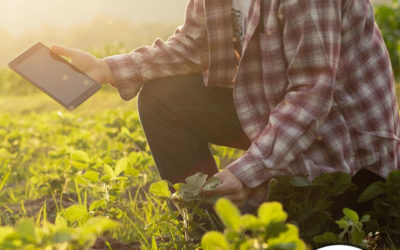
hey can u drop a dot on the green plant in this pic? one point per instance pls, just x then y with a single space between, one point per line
387 18
385 216
53 236
188 202
80 167
307 202
351 227
268 230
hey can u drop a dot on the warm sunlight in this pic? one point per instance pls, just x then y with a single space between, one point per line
257 124
85 24
19 15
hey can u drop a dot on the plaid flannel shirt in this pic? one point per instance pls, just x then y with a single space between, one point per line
313 89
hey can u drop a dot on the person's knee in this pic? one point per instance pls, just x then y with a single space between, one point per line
152 99
163 93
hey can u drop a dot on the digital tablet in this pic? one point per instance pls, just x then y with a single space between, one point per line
55 76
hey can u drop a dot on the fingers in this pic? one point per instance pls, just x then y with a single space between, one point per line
229 185
231 188
63 51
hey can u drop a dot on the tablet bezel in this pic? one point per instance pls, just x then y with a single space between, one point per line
74 103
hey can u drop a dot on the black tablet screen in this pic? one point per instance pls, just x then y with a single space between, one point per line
54 75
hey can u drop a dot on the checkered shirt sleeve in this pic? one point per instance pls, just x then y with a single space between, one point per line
184 52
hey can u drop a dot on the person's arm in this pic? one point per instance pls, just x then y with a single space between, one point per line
184 52
311 45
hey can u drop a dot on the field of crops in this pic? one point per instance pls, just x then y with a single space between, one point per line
67 177
86 179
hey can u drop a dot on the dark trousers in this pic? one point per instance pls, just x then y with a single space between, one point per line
181 117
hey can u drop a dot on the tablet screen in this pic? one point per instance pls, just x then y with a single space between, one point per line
54 75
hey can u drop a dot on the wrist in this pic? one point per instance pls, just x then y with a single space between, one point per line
106 71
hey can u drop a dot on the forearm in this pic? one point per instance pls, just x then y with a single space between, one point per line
184 52
105 68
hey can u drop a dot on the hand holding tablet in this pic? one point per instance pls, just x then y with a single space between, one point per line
55 76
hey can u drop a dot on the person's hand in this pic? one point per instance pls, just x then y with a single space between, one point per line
231 188
97 69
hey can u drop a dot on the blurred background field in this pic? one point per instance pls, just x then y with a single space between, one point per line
100 27
88 24
106 28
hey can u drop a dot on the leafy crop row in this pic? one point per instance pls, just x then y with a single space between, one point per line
67 180
61 165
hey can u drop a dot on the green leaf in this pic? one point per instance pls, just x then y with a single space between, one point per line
249 244
190 192
75 212
3 182
99 204
271 212
372 191
5 232
351 214
177 186
321 205
274 229
326 238
79 164
121 166
98 225
283 246
341 180
154 243
365 218
91 176
228 213
342 223
26 230
109 171
217 160
62 235
160 189
196 180
299 182
214 241
249 221
323 180
125 132
61 222
211 183
287 240
394 177
79 155
357 237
